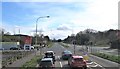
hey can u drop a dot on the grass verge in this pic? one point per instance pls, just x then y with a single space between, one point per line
108 57
50 44
32 63
64 45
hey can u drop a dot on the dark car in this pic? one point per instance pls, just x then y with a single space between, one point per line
50 54
14 48
46 63
77 62
66 54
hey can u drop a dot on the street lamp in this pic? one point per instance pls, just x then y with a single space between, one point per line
36 25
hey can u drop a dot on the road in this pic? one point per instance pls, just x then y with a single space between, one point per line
96 61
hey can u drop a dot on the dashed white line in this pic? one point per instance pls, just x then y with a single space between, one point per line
62 47
61 64
37 65
60 61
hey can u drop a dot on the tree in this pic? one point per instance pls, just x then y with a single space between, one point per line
47 38
2 31
59 40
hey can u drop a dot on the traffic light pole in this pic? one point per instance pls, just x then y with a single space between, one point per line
74 48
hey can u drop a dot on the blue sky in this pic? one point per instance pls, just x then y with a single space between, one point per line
64 16
18 13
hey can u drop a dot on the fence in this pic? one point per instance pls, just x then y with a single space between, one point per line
8 57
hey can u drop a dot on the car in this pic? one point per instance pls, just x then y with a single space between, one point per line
14 48
46 63
50 54
1 49
77 62
66 54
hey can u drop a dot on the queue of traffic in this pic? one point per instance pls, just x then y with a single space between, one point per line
74 61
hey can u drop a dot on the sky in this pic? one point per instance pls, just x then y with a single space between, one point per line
66 17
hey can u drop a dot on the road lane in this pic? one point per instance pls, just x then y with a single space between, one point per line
99 62
58 49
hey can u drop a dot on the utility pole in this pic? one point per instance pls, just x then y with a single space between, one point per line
19 38
74 46
91 46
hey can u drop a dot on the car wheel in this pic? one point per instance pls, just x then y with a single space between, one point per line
68 63
85 67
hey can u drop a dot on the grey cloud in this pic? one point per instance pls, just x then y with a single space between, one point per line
63 28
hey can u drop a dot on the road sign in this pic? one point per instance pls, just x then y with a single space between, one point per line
85 56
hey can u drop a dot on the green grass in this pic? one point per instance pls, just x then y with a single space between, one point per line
64 45
108 57
32 63
50 44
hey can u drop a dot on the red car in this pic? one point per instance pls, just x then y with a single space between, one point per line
77 61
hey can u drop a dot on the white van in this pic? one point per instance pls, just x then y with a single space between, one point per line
28 47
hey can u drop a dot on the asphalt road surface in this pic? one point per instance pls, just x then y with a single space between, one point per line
95 62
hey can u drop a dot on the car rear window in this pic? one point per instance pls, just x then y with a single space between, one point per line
78 59
46 63
67 52
48 53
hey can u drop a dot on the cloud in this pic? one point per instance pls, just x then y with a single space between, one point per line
57 34
64 16
64 27
99 15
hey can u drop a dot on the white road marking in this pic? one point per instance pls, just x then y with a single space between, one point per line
94 64
99 65
60 61
61 64
37 65
90 63
62 47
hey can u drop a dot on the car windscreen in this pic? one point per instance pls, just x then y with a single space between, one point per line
46 63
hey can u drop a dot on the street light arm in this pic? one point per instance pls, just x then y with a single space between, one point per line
42 17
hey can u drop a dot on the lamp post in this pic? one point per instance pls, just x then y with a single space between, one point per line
36 26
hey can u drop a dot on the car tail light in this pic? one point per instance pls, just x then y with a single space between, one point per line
40 66
84 62
52 66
